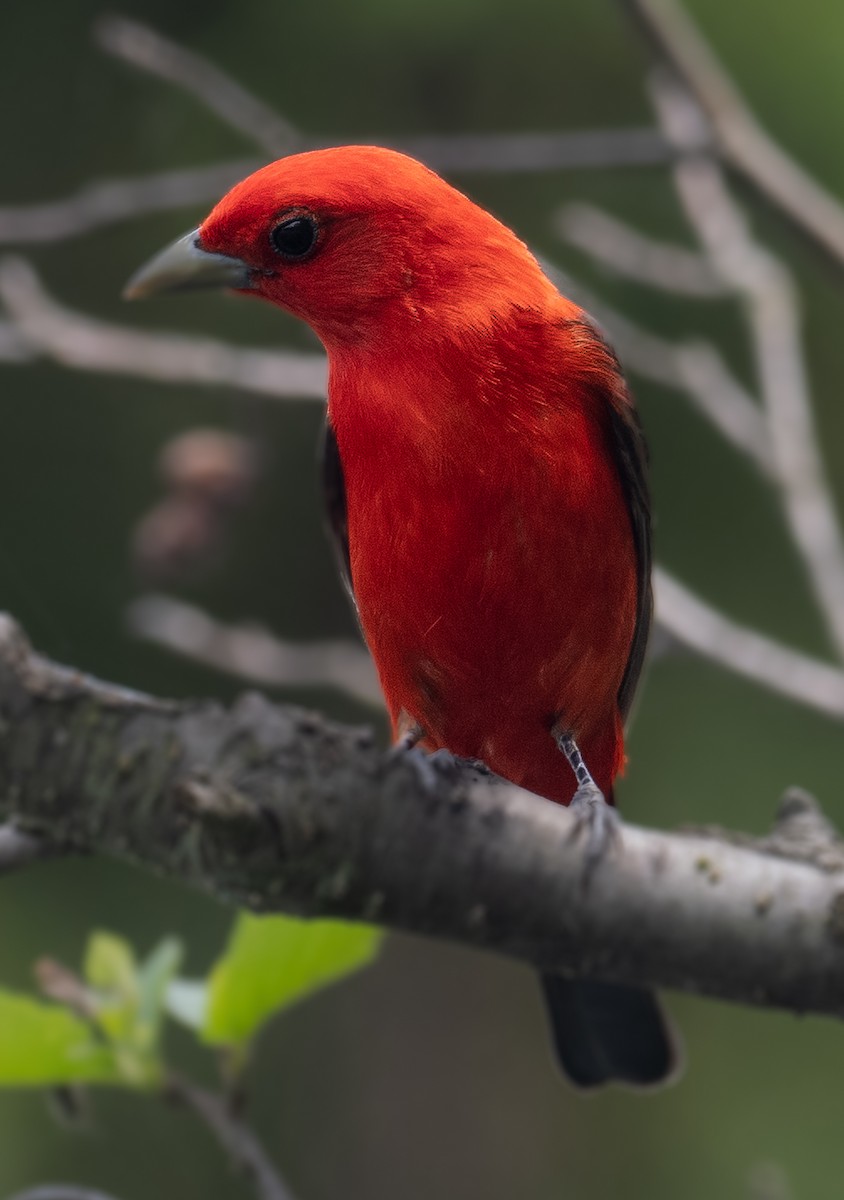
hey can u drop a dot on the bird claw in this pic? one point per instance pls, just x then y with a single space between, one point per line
427 767
431 767
598 822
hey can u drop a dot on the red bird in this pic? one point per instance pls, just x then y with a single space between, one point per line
486 482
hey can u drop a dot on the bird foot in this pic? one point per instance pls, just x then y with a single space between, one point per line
597 822
432 767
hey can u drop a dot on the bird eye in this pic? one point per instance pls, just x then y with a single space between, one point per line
294 238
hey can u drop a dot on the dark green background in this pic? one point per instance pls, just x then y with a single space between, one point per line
429 1075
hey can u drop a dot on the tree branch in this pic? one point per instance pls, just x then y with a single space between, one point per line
704 629
152 52
86 344
19 849
626 252
742 141
111 200
251 652
278 809
773 317
236 1138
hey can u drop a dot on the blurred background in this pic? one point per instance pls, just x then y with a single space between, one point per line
430 1074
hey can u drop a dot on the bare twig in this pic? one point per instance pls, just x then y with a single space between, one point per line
109 201
86 344
693 367
19 849
113 200
517 153
277 809
784 671
623 250
151 51
237 1140
737 133
772 311
14 348
253 653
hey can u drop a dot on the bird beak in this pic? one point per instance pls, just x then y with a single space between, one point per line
185 266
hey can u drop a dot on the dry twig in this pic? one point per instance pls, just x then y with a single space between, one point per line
250 652
19 849
780 669
624 251
734 130
151 51
774 321
236 1139
87 344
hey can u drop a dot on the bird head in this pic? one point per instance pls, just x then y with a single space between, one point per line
358 241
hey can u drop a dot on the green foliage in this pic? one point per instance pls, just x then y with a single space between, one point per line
273 962
43 1045
130 1002
106 1027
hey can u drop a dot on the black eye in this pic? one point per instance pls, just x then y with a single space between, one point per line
294 238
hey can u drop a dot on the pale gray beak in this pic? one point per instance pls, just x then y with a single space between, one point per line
185 266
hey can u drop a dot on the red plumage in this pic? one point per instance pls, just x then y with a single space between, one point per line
486 485
492 553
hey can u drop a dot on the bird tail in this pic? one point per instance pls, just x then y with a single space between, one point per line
610 1033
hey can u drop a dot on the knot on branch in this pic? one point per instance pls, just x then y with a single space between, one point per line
802 832
15 649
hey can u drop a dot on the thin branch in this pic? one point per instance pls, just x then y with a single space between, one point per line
251 652
774 320
690 366
87 344
151 51
518 153
275 809
627 252
14 347
111 200
814 211
156 54
742 650
236 1138
19 849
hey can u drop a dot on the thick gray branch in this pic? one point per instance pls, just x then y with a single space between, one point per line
278 809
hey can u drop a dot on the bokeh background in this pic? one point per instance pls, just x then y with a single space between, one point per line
430 1074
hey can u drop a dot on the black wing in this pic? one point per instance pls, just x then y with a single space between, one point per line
601 372
334 490
631 456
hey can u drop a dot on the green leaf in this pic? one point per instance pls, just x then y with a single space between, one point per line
112 970
131 998
110 964
43 1045
154 978
272 962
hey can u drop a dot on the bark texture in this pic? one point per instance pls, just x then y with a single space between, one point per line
278 809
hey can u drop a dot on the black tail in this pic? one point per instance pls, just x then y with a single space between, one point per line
609 1033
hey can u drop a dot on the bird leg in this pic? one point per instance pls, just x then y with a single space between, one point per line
594 818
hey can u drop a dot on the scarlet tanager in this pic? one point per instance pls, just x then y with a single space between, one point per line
486 482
